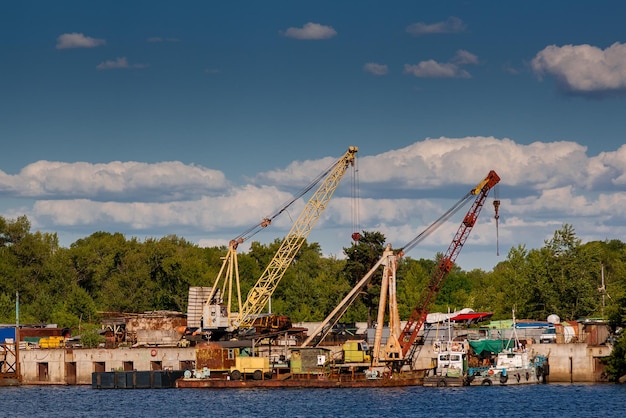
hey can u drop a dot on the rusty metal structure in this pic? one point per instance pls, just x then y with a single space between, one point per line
400 347
408 336
9 363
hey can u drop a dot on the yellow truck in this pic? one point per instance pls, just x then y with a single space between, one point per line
356 351
256 367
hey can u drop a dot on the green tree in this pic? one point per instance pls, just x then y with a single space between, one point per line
362 256
7 308
574 292
412 278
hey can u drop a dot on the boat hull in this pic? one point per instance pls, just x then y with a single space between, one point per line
444 381
306 381
519 377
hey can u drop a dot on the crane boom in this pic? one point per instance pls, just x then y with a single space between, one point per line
265 286
331 320
389 258
418 315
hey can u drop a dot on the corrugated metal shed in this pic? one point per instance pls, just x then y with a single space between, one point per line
196 299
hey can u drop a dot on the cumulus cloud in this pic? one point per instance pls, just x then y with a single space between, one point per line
544 184
239 207
463 57
115 180
296 174
451 25
434 69
584 69
432 163
120 62
77 40
311 31
375 69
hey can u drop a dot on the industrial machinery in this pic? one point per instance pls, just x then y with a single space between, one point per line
407 338
400 347
217 315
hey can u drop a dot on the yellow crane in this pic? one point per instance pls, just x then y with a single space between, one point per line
216 312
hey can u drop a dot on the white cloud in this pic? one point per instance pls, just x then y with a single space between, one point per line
239 208
544 184
434 162
463 57
376 69
114 180
296 174
120 62
452 25
584 69
77 40
452 69
311 31
434 69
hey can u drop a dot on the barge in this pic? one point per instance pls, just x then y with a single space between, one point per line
226 365
290 380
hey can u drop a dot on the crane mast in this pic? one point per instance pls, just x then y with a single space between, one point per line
394 352
446 263
265 286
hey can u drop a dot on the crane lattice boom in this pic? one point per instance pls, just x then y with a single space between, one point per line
260 294
418 315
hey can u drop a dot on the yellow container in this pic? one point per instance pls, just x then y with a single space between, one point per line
51 342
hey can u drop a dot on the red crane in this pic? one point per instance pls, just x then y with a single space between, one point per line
418 316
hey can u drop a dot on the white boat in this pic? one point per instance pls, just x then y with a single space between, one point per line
513 366
451 365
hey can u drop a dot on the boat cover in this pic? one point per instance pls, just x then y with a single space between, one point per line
492 346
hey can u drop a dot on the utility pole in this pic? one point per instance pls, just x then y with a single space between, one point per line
17 336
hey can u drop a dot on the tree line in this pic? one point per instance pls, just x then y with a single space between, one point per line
108 272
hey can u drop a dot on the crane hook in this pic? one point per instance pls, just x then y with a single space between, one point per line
496 207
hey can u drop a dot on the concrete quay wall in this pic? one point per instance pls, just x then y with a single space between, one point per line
75 366
575 362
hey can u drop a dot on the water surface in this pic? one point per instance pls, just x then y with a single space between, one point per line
551 400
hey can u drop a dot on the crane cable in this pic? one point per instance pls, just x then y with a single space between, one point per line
496 207
430 229
356 226
253 230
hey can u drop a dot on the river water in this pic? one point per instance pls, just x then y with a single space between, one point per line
551 400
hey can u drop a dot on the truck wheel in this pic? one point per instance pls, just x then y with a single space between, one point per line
257 375
235 375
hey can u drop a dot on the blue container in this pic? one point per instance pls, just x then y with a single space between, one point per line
120 380
102 380
7 333
143 379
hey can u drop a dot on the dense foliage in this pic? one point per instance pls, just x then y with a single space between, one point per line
109 272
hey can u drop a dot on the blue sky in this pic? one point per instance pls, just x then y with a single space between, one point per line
195 118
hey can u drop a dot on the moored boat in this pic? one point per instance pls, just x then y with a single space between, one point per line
514 365
451 365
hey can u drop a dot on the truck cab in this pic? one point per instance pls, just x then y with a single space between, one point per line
356 351
548 336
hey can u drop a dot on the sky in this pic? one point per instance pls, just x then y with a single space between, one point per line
200 118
